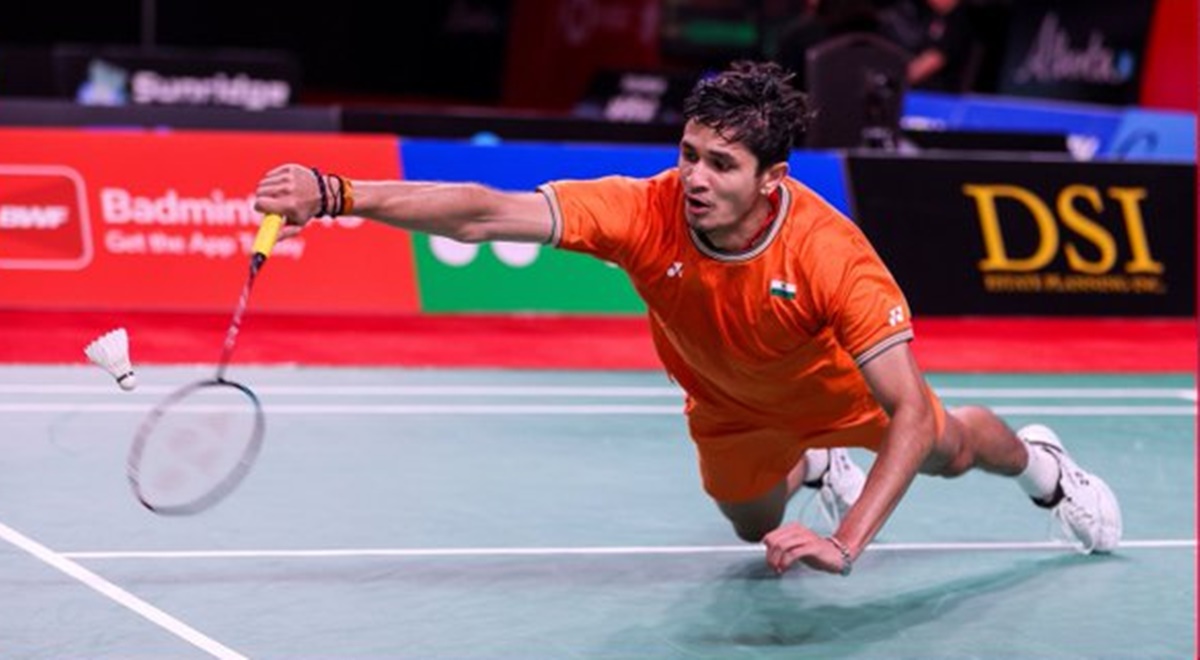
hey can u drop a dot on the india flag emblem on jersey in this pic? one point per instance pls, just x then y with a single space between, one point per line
785 290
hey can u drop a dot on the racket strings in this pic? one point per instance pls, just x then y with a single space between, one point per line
197 448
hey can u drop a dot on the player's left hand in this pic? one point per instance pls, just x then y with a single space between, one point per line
794 542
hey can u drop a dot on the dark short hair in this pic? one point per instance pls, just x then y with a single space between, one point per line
754 103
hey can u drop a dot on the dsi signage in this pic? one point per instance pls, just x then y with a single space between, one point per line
1048 238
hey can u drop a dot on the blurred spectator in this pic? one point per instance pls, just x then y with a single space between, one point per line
821 20
939 35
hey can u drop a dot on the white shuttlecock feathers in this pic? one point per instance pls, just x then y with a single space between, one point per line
110 352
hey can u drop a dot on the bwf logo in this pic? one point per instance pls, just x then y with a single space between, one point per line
43 219
16 216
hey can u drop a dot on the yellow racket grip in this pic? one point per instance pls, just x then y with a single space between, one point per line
268 233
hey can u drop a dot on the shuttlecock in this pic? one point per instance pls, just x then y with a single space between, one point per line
110 352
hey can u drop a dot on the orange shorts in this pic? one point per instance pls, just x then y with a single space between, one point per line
741 463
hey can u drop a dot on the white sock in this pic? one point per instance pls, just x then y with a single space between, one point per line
816 461
1039 479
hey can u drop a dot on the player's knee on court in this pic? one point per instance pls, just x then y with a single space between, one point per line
754 519
751 533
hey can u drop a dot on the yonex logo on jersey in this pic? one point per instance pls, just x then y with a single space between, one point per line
676 269
896 315
785 290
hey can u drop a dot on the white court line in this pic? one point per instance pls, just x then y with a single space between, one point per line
1103 411
139 606
379 390
524 409
1065 393
367 409
600 550
604 391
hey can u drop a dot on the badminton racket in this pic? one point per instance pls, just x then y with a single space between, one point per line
195 447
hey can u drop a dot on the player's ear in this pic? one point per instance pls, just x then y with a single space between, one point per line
773 177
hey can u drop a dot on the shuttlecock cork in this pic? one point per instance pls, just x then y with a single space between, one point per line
110 352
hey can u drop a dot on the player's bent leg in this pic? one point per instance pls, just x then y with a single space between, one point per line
753 519
975 437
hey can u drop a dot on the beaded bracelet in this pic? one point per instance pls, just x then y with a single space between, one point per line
324 210
847 561
339 198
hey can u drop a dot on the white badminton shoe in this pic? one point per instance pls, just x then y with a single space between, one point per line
1088 511
840 486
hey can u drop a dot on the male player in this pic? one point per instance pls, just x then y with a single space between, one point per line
771 310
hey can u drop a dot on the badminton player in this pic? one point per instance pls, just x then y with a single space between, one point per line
773 312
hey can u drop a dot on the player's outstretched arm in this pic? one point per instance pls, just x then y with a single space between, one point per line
467 212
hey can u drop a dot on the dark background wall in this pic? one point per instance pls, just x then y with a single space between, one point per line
451 50
518 54
439 51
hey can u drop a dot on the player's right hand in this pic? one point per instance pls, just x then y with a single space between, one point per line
291 191
793 542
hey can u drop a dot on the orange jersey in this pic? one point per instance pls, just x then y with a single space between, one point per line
770 338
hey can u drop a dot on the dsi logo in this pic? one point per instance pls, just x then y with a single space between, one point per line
43 219
1112 238
1085 240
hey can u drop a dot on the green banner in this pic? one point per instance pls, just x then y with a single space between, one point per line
517 277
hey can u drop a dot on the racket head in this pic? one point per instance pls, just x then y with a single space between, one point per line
195 447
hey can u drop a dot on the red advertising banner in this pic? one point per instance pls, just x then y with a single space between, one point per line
148 220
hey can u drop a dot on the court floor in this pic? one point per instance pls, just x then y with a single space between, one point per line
551 514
